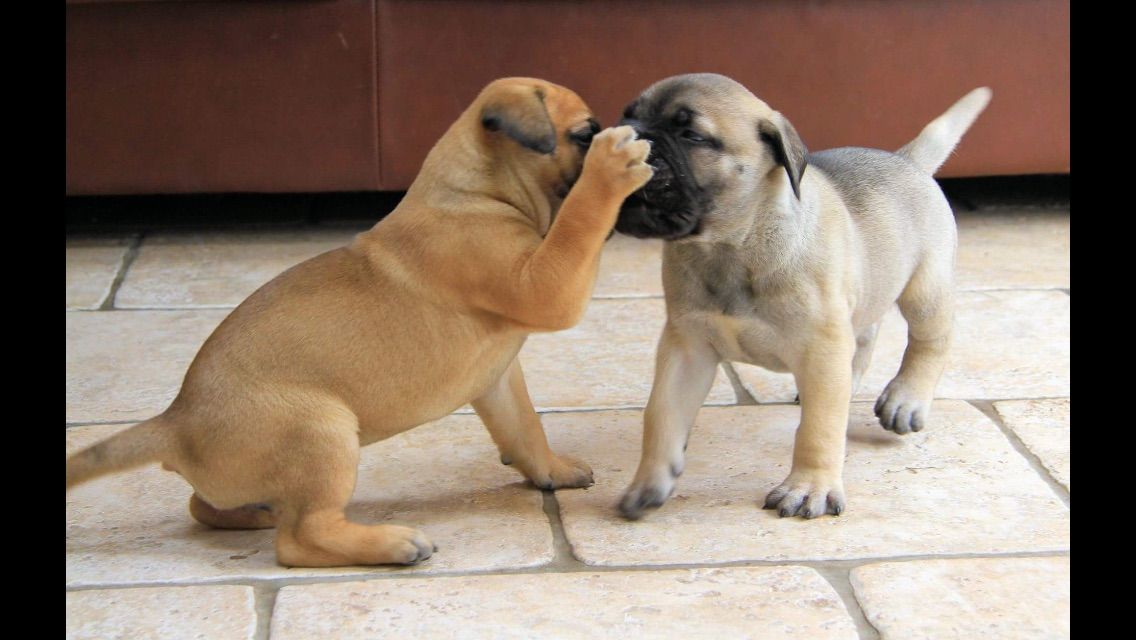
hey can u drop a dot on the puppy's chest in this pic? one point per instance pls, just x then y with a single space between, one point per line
714 295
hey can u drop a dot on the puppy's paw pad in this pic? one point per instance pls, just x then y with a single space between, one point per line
806 495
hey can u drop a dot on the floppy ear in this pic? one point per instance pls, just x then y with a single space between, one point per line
786 146
519 112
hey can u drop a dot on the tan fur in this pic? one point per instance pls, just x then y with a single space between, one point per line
419 315
798 283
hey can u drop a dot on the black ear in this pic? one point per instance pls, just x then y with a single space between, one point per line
786 146
519 112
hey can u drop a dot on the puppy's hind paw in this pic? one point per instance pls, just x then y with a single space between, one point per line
414 548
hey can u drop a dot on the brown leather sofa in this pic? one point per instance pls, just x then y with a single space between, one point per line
179 96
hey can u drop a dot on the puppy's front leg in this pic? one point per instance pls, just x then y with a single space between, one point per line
684 370
546 287
515 427
815 485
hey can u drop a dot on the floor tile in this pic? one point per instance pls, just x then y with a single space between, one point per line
129 365
606 361
170 613
92 264
1043 425
989 598
630 268
218 269
444 478
1013 250
1007 344
744 602
958 486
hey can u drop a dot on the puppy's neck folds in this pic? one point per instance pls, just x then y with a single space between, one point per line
778 233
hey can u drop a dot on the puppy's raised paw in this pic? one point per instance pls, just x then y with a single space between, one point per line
808 495
641 497
901 409
618 160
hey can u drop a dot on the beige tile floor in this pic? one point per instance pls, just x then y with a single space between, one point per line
960 530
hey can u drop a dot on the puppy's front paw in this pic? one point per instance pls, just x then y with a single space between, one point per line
618 160
901 408
807 494
564 472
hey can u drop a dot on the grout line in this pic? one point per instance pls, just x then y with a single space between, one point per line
637 407
574 567
840 580
265 600
987 407
627 296
744 397
563 560
1066 292
212 307
226 307
101 423
127 259
1010 289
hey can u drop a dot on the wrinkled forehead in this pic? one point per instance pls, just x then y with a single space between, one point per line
706 100
564 106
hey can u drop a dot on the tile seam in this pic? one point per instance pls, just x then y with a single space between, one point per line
603 298
264 605
576 567
841 582
1035 463
128 257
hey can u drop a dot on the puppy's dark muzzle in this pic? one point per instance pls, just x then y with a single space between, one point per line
660 209
662 192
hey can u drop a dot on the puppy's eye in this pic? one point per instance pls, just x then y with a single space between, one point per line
582 138
692 136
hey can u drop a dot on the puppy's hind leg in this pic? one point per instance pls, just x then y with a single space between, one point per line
684 370
515 427
865 344
928 306
313 488
246 517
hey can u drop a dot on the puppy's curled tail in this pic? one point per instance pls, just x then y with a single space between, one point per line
930 149
134 447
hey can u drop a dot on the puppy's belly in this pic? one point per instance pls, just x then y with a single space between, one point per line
739 339
449 379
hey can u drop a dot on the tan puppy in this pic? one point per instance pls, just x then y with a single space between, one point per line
789 268
416 317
